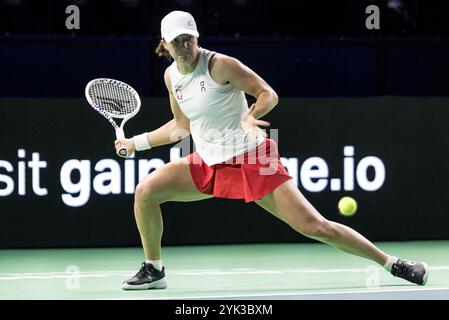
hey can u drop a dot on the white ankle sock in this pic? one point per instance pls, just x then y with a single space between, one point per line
389 263
156 263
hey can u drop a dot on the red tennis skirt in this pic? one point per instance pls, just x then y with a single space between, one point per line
249 176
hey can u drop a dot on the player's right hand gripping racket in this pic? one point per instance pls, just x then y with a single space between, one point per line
113 99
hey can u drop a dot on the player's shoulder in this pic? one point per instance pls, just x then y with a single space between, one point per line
167 72
222 66
220 60
167 77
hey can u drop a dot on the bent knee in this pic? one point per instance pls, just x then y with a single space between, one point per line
146 192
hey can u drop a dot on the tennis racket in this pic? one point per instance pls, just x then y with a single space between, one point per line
113 99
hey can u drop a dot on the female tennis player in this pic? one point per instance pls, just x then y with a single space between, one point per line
233 159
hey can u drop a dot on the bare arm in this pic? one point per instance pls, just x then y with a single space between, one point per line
227 69
173 131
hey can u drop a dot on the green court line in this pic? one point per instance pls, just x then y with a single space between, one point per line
214 271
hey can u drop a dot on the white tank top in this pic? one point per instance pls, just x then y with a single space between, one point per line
214 111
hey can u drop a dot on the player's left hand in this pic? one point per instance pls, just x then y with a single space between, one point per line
250 125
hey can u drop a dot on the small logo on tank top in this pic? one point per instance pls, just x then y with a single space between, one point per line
178 92
203 88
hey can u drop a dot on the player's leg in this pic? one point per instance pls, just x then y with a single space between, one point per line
288 204
171 182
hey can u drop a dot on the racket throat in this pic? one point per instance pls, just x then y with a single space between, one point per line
119 133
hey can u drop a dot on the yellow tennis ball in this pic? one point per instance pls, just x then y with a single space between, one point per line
347 206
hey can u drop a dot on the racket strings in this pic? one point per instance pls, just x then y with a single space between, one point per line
115 99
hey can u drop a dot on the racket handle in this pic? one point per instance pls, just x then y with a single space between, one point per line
121 135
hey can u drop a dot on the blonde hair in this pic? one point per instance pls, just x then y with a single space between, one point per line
162 52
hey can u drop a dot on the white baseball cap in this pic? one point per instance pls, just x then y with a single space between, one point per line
176 23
